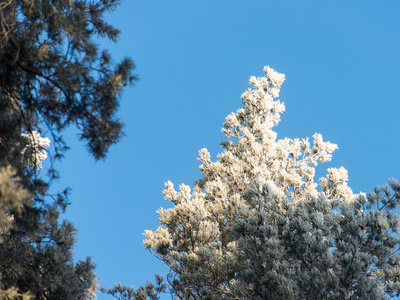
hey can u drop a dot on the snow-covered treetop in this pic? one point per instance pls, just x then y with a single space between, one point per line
255 173
253 152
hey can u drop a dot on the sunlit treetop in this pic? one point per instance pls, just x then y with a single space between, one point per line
257 225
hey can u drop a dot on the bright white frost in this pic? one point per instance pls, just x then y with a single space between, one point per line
252 152
35 151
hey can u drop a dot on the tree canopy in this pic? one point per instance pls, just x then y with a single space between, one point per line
52 75
258 226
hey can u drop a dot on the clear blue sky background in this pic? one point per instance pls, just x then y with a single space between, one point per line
194 59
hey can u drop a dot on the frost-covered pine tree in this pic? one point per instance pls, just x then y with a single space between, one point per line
258 226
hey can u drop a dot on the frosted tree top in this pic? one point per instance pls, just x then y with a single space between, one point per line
252 153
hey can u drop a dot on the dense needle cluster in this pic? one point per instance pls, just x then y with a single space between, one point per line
52 75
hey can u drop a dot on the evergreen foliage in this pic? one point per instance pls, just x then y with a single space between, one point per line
52 75
257 225
149 291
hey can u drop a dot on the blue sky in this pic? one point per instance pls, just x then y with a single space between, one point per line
194 59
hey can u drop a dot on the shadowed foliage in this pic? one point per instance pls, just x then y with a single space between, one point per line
52 75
